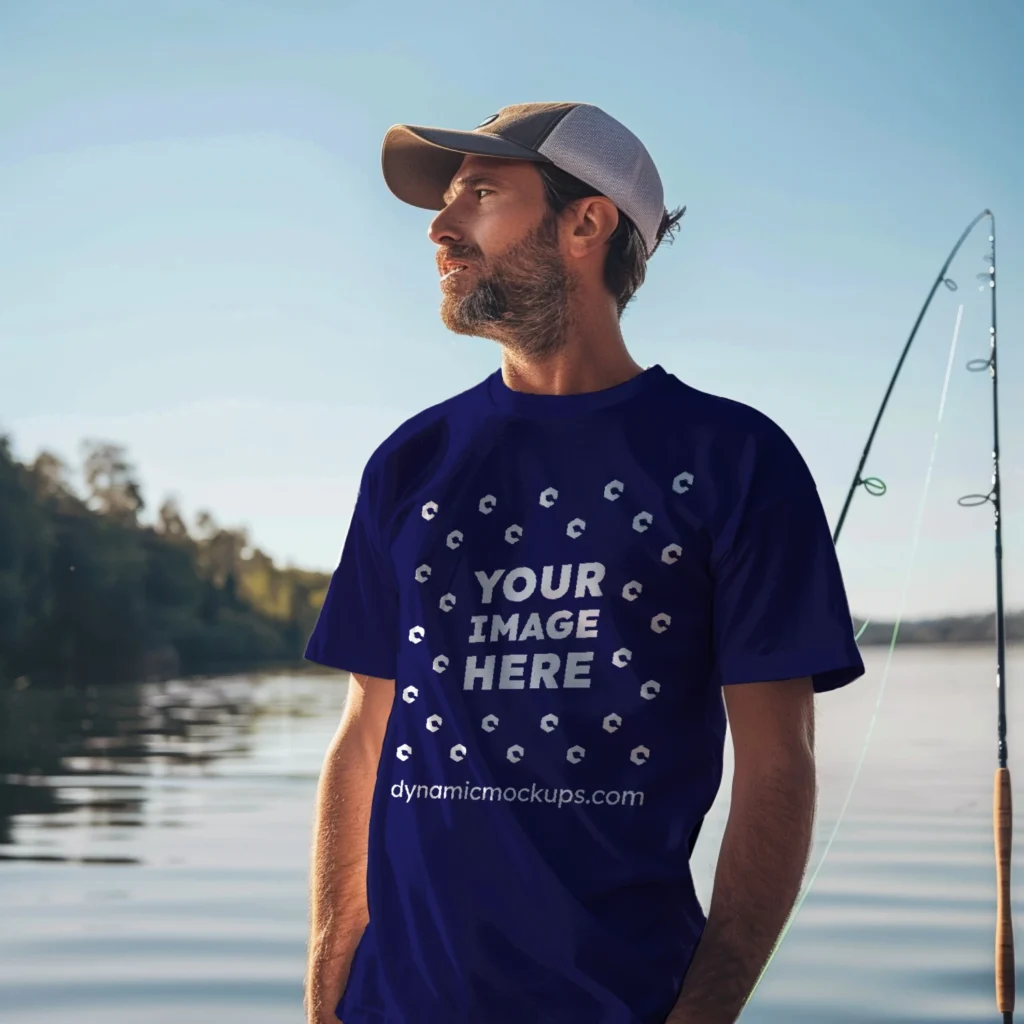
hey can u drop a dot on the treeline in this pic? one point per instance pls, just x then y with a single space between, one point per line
90 595
963 629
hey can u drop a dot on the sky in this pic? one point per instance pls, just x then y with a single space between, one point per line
199 259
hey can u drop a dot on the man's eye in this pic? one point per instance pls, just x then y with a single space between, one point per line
487 191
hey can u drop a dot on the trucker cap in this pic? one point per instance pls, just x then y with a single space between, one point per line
419 163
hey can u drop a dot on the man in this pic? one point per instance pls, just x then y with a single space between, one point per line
555 587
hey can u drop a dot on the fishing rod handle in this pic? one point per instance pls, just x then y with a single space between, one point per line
1003 823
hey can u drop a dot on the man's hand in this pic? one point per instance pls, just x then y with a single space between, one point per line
764 850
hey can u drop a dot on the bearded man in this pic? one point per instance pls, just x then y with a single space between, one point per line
557 590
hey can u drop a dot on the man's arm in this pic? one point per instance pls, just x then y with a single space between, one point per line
764 849
338 911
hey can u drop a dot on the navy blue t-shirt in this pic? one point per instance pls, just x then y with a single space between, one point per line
560 586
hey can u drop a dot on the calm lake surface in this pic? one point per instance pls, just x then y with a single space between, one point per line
154 849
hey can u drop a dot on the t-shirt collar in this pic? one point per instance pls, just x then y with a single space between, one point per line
523 403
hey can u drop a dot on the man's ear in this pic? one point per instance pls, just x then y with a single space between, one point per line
592 222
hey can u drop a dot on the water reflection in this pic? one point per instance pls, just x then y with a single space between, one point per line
89 760
157 848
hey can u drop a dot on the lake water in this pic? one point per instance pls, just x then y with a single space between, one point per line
154 849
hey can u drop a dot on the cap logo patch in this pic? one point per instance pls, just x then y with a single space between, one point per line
486 121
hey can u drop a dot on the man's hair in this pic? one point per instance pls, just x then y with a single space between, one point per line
625 266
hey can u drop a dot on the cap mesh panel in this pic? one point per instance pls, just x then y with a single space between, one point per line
597 149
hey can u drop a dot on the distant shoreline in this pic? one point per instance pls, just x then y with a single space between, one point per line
951 629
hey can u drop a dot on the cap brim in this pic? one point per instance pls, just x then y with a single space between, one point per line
419 163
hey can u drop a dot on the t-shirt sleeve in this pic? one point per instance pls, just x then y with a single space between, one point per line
780 604
358 623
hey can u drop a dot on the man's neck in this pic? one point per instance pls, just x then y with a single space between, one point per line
593 358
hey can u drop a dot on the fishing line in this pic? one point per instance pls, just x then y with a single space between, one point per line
888 661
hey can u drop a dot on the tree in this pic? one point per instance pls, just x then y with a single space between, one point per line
110 481
170 521
50 479
206 525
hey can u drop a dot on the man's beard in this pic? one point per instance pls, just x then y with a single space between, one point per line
521 298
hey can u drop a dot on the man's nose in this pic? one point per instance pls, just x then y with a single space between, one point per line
444 230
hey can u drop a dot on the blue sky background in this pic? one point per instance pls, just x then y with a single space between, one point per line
199 258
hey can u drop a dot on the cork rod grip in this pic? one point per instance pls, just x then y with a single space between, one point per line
1003 822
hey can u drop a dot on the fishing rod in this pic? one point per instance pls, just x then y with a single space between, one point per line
1002 804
